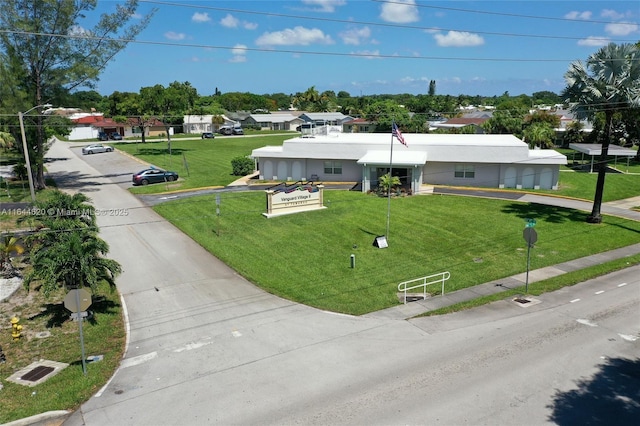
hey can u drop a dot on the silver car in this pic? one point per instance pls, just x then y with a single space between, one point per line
95 148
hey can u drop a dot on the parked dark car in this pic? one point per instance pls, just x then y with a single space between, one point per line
102 136
115 136
147 176
208 135
95 148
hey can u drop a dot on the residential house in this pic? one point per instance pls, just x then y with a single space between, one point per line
474 119
197 124
277 121
358 125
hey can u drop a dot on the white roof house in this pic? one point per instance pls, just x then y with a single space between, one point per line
498 161
202 123
274 121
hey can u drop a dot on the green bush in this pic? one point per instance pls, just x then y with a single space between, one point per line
241 166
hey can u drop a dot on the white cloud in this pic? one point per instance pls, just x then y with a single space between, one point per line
77 30
296 36
229 21
239 49
355 36
611 14
200 17
582 16
238 59
593 41
172 35
324 5
458 39
621 28
249 25
400 12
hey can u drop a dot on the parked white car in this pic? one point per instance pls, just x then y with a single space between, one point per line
96 148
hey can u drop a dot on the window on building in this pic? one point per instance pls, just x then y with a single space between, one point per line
465 171
333 167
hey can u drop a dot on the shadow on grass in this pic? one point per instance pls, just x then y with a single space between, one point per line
57 314
161 151
541 212
609 397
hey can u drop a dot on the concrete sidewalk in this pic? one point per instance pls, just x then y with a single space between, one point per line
412 309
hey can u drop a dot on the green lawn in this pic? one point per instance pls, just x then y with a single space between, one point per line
306 257
200 163
103 334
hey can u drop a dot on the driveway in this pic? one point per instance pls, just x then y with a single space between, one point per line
207 347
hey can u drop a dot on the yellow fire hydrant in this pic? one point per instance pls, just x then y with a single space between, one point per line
16 332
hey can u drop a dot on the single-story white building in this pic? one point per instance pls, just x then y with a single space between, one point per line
493 161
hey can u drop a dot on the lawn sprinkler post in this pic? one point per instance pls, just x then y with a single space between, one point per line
530 236
353 261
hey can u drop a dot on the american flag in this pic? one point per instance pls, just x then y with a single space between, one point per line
396 132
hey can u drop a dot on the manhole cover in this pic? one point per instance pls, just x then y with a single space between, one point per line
37 373
521 300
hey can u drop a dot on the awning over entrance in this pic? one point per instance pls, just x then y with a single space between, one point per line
401 157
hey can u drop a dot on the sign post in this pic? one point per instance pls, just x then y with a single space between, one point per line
530 236
78 301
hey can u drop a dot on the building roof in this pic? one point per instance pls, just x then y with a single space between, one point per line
274 118
489 148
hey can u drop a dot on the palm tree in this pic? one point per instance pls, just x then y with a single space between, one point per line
6 140
75 259
388 183
8 246
540 135
609 82
67 250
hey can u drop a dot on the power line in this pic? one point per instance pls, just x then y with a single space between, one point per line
380 24
288 51
510 15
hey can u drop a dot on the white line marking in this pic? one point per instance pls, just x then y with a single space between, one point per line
622 285
600 292
130 362
587 322
574 300
192 346
628 337
236 333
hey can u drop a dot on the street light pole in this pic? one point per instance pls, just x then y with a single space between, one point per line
26 149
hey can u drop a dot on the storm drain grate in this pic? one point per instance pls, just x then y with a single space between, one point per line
37 373
522 301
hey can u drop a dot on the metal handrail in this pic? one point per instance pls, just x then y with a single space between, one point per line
443 276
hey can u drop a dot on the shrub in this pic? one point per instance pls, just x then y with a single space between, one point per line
241 166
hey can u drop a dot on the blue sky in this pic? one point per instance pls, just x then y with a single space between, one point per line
367 47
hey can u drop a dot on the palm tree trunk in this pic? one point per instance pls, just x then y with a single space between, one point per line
595 216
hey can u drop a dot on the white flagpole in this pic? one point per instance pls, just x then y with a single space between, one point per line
389 182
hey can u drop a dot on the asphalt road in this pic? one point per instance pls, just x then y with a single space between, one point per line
207 347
